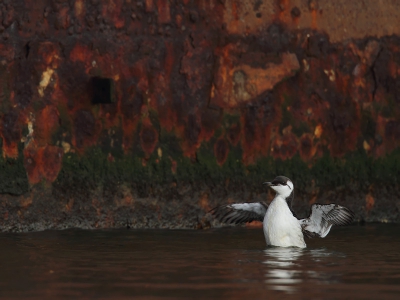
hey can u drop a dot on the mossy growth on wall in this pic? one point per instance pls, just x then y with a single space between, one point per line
13 178
95 168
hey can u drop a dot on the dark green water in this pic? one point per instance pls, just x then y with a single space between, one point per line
356 262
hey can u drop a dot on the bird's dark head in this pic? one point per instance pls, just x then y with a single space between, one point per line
281 185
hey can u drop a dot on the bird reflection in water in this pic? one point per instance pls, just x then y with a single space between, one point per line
288 268
284 271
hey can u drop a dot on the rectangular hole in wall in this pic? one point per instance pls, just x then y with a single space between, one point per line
102 89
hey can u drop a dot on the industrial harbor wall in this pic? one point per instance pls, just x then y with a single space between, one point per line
146 114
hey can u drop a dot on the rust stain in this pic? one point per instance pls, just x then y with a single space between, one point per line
149 5
25 202
63 18
79 8
163 8
237 85
42 163
11 133
148 137
314 15
369 202
241 17
204 202
191 67
51 162
46 123
32 165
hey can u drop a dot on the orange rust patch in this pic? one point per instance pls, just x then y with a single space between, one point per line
52 162
46 124
25 202
314 19
318 131
148 137
178 20
164 15
42 163
11 133
32 163
79 9
203 202
129 127
236 85
80 53
10 150
112 10
369 202
149 5
49 52
63 18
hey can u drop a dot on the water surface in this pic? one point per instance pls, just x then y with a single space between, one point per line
355 262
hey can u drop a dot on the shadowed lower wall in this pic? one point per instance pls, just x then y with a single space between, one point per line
148 113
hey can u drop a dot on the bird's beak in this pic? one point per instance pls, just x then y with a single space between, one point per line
267 183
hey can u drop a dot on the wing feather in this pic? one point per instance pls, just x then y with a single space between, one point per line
323 216
240 212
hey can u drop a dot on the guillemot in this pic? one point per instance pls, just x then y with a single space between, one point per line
281 227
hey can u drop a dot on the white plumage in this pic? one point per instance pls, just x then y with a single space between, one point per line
281 227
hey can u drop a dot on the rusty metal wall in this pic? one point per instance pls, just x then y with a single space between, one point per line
148 113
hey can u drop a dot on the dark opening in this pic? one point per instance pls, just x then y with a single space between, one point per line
27 48
102 89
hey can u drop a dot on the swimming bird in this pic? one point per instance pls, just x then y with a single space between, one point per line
281 227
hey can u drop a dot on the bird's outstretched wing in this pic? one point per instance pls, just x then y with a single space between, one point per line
322 217
240 212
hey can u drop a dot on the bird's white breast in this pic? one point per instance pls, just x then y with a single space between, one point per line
281 228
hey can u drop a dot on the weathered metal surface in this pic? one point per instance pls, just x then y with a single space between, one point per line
148 113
